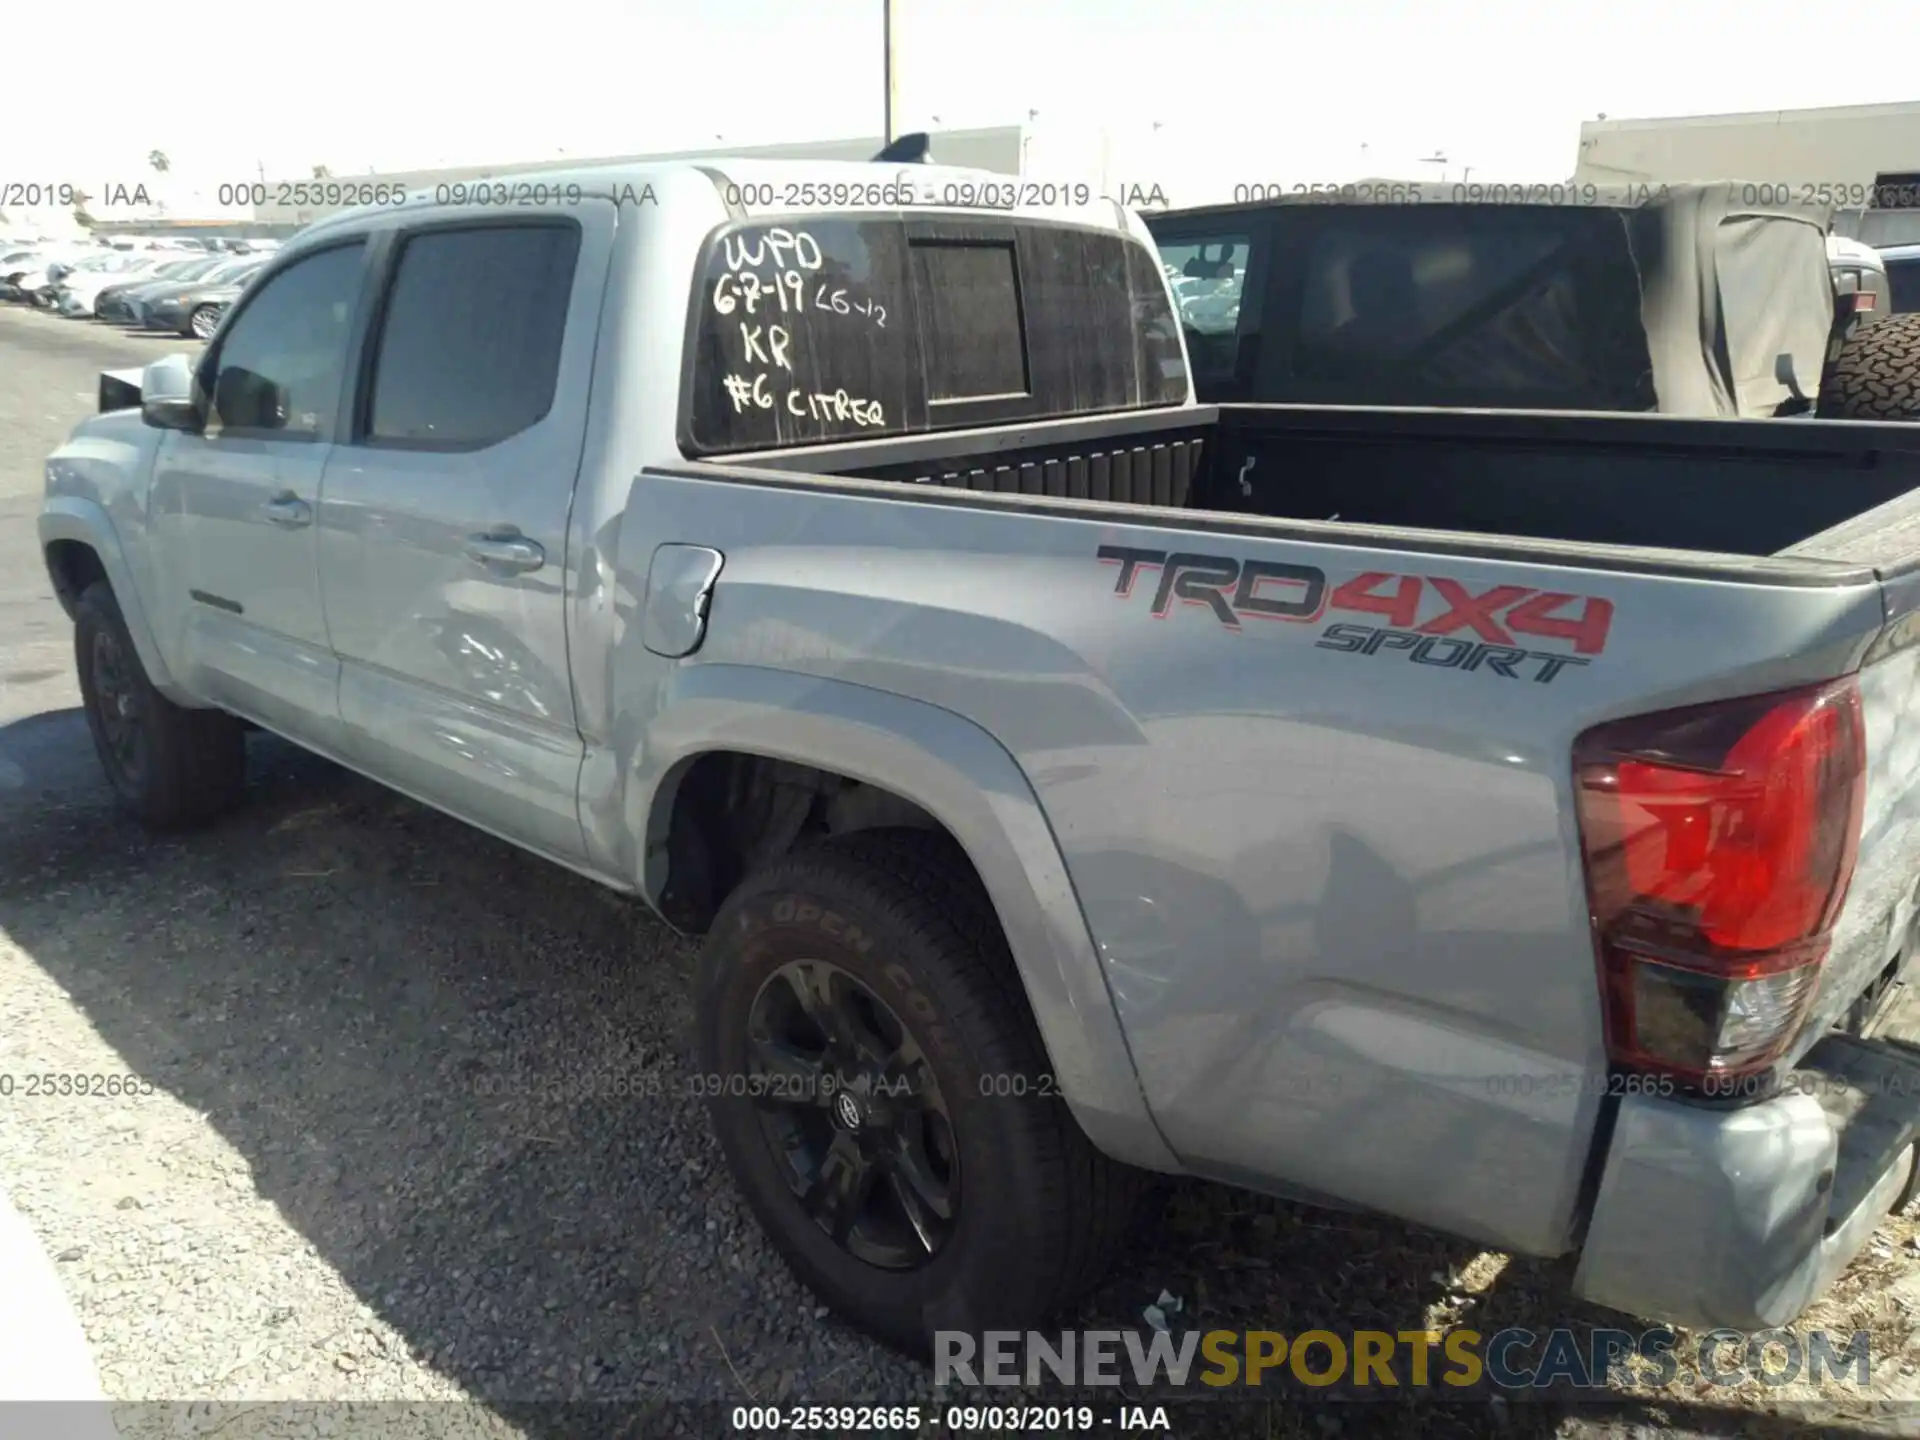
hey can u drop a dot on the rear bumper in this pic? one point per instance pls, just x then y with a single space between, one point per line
1741 1217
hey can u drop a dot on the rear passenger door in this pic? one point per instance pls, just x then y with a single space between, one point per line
443 521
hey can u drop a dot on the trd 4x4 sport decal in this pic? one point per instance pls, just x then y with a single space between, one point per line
1497 623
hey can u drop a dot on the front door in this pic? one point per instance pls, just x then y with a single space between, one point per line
233 506
443 525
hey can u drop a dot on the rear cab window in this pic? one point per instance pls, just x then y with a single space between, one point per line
827 328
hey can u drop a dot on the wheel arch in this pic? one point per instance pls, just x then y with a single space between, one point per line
887 760
79 546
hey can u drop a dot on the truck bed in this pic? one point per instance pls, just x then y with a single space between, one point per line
1323 832
1802 488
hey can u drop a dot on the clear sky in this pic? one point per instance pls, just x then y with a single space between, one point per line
1239 89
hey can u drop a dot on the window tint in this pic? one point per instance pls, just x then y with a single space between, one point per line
1776 309
854 328
281 362
1208 275
1373 296
470 348
1903 279
969 312
1496 305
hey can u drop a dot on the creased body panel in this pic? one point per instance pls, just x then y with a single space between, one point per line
1332 878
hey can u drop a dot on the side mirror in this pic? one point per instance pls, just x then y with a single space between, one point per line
166 394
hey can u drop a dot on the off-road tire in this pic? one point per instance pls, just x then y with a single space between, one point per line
1877 373
1040 1212
192 764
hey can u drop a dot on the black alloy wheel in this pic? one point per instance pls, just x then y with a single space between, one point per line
121 711
854 1114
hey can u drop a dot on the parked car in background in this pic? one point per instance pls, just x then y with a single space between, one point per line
1903 276
1669 299
1860 285
225 272
26 270
195 309
14 264
40 287
78 295
120 301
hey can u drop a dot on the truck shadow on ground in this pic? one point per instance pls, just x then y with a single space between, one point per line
460 1074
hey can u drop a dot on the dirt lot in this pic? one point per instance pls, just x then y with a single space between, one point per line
364 1170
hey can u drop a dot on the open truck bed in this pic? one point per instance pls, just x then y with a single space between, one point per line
1468 479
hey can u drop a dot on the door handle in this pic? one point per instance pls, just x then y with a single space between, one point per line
506 552
288 511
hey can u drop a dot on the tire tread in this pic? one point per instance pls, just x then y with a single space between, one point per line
1876 376
1090 1199
196 760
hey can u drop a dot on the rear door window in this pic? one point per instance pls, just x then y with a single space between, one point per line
831 329
470 345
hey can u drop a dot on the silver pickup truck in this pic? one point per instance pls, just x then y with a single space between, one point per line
1506 821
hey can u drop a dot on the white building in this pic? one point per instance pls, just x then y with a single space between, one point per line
1859 154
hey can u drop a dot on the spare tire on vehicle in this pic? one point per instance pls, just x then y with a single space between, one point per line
1876 375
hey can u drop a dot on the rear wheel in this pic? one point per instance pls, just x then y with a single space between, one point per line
169 766
880 1090
1876 376
204 321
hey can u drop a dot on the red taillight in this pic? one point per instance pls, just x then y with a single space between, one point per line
1719 841
1863 300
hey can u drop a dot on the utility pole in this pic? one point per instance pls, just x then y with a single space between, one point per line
886 37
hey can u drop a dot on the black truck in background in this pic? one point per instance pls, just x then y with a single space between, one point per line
1699 300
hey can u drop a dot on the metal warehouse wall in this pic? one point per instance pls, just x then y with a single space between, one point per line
1842 146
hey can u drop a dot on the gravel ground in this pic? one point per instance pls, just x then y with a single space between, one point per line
409 1122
